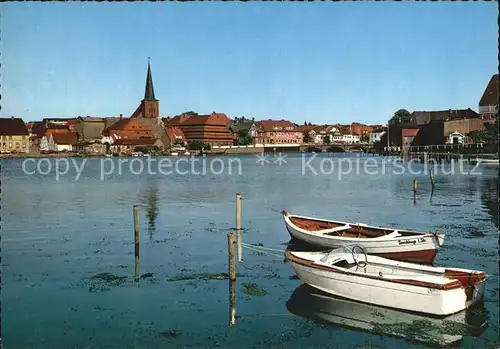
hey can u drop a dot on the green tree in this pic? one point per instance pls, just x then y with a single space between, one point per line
243 138
307 138
326 139
487 136
364 138
401 116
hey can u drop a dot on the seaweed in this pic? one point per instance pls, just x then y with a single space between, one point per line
252 289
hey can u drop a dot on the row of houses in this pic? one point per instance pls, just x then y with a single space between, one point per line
452 126
145 129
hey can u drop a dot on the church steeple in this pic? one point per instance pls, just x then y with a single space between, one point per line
149 92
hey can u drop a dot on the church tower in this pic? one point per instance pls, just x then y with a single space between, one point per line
150 105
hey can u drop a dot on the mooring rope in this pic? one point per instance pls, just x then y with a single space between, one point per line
262 247
264 252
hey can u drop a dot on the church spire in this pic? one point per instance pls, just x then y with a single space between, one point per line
149 93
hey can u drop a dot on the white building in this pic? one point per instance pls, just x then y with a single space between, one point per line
345 139
456 138
375 136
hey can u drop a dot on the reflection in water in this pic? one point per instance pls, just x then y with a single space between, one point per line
489 198
318 306
150 201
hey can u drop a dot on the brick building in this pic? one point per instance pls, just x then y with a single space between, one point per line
424 117
210 129
144 122
278 132
488 105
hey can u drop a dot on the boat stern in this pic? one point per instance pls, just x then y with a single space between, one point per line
440 239
475 294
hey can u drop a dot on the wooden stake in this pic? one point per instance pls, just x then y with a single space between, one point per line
431 174
238 226
232 279
414 190
136 242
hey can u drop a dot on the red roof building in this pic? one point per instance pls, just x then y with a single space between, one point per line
278 132
210 129
488 105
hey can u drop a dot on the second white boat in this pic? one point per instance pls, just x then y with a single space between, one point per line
389 283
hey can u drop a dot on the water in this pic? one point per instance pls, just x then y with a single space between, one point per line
57 235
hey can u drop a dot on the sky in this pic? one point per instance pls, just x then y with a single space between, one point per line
321 62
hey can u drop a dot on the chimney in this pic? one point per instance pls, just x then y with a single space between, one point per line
121 116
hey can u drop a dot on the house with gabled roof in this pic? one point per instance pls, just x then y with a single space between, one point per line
209 129
488 104
14 136
278 132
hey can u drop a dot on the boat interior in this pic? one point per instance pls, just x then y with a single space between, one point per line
347 230
467 279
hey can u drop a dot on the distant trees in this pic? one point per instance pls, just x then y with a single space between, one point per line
198 145
401 116
243 138
487 136
307 138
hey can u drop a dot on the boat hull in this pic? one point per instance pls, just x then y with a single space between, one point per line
334 311
413 298
418 248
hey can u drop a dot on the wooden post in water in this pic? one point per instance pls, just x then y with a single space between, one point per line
414 190
232 279
238 226
136 242
431 174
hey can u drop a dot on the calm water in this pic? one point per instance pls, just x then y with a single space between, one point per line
59 234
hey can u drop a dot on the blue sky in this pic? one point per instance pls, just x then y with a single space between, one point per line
321 62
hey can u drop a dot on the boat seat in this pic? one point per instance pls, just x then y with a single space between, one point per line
334 230
392 235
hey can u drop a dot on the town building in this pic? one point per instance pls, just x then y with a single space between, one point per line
345 138
376 135
91 147
144 122
243 127
278 132
175 135
307 135
57 142
424 117
14 136
456 138
128 128
408 135
488 104
361 130
129 146
91 128
209 129
322 134
464 126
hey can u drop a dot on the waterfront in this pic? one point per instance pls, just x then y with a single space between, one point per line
58 234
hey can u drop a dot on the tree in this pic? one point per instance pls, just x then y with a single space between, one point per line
487 136
400 117
364 138
326 139
307 138
243 138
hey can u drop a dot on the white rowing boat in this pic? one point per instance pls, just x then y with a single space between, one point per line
389 283
398 244
316 305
